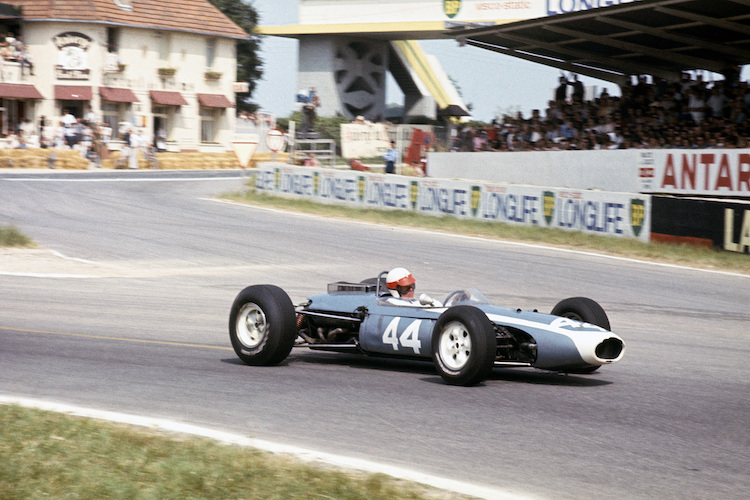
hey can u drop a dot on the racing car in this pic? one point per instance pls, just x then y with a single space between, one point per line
464 334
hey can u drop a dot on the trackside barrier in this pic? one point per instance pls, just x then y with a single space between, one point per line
605 213
707 222
682 172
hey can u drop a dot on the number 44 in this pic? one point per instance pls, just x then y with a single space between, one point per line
409 338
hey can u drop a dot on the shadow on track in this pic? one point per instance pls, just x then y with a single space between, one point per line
500 374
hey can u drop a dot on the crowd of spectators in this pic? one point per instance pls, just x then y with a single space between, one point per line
13 49
687 114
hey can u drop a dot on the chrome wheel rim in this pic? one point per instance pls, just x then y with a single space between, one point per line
251 325
455 345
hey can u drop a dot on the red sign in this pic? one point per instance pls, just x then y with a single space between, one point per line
707 171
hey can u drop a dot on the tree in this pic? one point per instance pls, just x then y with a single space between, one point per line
249 63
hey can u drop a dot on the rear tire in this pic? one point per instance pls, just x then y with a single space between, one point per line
262 325
463 345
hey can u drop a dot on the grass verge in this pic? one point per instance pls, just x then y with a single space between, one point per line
622 247
48 455
10 236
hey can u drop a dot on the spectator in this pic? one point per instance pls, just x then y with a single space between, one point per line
686 114
696 104
562 91
391 158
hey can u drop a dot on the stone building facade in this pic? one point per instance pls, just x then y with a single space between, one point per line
166 66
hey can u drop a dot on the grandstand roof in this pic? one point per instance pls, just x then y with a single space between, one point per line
193 16
655 37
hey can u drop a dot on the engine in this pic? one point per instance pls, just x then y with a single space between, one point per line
514 345
325 330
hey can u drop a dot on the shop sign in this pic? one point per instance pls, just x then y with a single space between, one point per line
72 55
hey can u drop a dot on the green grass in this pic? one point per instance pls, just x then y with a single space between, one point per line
49 455
622 247
10 236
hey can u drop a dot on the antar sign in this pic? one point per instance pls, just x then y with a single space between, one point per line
711 173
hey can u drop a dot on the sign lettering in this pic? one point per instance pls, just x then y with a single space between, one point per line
743 243
564 6
713 172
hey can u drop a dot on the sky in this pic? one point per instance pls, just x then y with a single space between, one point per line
494 84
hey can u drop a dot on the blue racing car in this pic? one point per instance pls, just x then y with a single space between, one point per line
464 334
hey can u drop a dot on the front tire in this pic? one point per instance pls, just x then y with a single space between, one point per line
463 346
585 310
582 309
262 325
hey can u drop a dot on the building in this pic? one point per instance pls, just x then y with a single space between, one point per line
166 66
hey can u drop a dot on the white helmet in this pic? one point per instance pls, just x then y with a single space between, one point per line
400 283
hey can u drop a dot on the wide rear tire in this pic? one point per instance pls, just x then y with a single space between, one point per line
463 345
262 325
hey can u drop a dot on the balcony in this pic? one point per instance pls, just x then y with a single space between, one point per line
166 72
212 76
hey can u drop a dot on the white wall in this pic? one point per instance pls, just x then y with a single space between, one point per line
604 170
714 172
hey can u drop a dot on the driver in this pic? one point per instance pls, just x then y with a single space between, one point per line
401 283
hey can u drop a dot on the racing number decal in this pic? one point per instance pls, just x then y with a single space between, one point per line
409 337
571 324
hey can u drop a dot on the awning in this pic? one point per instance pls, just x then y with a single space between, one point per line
113 94
19 91
167 98
214 101
73 93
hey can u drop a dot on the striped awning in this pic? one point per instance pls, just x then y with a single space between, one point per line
114 94
215 101
167 98
73 92
19 91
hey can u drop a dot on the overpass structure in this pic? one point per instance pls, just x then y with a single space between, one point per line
347 46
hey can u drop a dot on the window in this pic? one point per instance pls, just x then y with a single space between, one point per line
124 4
113 40
210 52
208 124
162 45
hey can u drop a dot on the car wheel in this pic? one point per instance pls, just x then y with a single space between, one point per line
262 325
585 310
582 309
463 345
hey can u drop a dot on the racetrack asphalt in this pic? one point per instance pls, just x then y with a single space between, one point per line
146 336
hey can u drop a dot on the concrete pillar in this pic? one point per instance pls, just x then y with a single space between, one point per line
348 74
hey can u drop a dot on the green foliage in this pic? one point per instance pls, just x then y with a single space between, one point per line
12 237
249 63
48 455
